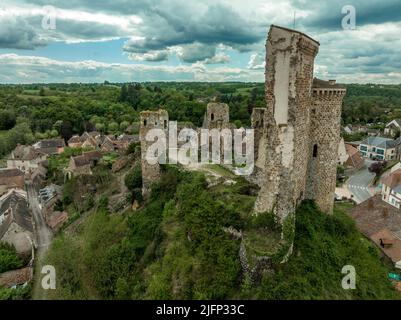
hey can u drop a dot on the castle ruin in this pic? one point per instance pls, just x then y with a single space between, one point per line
150 120
297 134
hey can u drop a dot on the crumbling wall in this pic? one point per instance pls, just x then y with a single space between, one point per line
289 74
150 120
217 116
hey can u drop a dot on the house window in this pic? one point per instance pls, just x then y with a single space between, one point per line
315 151
144 122
380 151
363 148
212 117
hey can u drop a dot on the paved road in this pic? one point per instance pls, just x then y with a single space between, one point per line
44 238
358 183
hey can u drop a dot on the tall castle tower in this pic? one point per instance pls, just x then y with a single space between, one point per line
297 134
150 120
325 127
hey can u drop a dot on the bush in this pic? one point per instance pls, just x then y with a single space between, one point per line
9 259
133 180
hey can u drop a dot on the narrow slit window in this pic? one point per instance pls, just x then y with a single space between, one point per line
315 151
212 117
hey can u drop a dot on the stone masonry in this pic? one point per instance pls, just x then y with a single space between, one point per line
150 120
296 136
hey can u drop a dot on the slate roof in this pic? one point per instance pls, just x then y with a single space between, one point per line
51 143
17 207
380 142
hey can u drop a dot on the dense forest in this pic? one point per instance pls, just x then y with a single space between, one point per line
31 112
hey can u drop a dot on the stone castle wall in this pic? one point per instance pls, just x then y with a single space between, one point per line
150 120
324 133
289 74
296 135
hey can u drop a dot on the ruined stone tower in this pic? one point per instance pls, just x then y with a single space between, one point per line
297 135
150 120
217 116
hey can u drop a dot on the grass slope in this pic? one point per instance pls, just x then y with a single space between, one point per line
175 248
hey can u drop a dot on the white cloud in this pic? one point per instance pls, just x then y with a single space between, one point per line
31 69
256 61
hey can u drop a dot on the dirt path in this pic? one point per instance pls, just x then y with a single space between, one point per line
44 237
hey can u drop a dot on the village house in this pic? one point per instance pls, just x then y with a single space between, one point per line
389 243
75 142
381 223
379 148
50 146
392 127
355 159
86 140
11 179
109 143
15 278
391 188
26 159
355 128
16 227
82 165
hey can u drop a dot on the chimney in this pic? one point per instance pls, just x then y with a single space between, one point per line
332 82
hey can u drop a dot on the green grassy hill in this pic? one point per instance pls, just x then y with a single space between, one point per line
175 248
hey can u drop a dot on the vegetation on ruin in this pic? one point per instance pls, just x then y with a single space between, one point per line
175 247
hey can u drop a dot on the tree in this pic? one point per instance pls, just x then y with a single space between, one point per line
124 93
124 125
100 127
8 258
113 127
66 130
134 179
377 167
7 119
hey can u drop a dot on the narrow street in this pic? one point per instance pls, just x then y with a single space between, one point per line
359 183
44 238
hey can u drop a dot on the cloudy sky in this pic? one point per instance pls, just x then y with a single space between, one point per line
190 40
